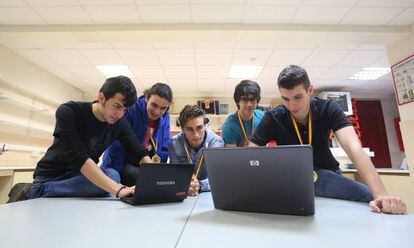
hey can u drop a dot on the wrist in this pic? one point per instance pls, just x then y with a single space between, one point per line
119 191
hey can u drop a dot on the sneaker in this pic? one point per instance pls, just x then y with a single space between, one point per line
19 192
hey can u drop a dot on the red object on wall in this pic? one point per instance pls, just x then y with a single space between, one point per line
354 119
399 136
374 135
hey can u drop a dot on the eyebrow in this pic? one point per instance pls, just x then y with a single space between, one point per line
117 104
199 126
157 106
295 96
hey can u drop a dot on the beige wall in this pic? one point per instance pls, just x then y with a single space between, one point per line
396 53
390 112
32 79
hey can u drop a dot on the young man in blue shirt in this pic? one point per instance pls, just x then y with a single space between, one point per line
150 122
306 120
186 146
238 127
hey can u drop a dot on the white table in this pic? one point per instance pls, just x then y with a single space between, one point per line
195 223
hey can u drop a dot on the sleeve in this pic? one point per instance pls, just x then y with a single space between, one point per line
163 149
265 131
336 117
130 141
171 153
229 134
205 185
217 142
76 150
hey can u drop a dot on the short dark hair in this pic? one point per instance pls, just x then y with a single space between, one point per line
160 89
292 76
247 88
122 85
190 112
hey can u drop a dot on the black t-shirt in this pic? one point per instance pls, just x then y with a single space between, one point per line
79 135
327 115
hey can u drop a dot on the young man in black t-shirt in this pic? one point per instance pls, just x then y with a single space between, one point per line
82 133
306 120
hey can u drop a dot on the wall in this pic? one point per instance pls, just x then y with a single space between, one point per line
31 79
396 53
390 111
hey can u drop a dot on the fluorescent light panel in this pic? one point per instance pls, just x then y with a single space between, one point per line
370 73
245 71
115 70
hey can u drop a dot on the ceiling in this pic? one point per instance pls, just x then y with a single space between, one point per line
191 44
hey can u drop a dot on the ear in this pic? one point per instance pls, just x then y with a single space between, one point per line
146 98
310 89
101 98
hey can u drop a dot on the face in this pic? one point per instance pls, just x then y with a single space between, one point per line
297 100
156 106
194 131
247 104
112 109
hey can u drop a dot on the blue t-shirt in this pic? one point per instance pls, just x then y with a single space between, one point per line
232 132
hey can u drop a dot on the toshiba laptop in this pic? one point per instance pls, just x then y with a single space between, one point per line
160 183
262 179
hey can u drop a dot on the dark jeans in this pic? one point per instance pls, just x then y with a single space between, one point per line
70 184
332 184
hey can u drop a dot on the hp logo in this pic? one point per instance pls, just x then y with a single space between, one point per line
254 163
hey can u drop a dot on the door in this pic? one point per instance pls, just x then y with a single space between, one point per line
373 133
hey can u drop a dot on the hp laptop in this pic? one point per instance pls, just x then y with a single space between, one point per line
262 179
160 183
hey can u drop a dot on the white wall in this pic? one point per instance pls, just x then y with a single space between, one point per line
390 111
31 79
396 53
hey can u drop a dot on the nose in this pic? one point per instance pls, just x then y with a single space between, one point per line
196 135
120 113
157 111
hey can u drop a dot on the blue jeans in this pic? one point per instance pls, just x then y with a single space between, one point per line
70 184
333 185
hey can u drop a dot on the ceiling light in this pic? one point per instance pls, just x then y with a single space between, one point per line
244 71
115 70
370 73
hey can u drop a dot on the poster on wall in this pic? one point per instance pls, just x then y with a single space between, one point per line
403 76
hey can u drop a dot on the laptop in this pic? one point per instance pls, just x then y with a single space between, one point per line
262 179
161 183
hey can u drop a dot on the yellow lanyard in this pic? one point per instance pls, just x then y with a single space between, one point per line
309 128
190 161
242 127
315 175
154 144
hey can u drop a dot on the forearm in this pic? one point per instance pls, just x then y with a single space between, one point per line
94 174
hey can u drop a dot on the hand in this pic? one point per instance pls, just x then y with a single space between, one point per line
128 191
388 205
194 187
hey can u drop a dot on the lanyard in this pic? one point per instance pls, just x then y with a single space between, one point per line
154 144
243 129
309 128
315 175
190 161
